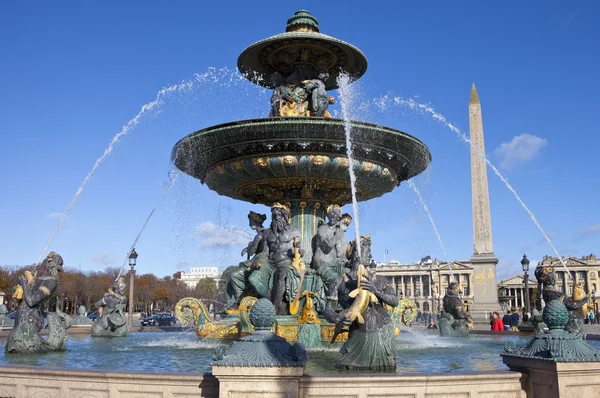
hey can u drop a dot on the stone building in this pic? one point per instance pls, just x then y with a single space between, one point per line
426 282
192 278
584 270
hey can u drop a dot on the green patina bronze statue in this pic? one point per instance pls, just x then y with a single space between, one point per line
111 320
35 289
272 272
454 322
370 344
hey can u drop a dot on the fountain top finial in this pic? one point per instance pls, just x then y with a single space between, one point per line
302 21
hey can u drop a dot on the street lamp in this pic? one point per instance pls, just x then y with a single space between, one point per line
132 260
525 265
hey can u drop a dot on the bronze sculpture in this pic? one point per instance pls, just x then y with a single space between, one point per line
454 321
111 320
37 288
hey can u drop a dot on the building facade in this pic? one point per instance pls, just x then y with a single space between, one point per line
426 282
585 270
192 278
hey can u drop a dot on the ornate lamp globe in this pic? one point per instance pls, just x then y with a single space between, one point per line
525 263
132 258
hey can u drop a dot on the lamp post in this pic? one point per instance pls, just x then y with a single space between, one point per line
525 265
132 260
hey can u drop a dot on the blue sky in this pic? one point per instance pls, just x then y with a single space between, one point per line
74 73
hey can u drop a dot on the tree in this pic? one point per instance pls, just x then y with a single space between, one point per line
206 289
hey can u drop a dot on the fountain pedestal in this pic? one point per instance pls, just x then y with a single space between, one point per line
260 364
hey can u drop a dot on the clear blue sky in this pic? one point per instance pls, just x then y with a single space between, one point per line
73 73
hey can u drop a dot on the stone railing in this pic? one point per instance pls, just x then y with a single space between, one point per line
498 384
542 379
26 381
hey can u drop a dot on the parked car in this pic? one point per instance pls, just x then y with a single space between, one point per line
159 320
147 321
165 320
93 315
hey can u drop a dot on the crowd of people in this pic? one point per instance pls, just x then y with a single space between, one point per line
509 322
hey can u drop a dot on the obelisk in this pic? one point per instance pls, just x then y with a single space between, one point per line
483 260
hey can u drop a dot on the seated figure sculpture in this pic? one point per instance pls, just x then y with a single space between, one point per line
271 273
36 289
81 318
454 321
111 322
319 101
329 256
370 344
237 285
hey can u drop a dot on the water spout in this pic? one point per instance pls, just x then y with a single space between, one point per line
346 95
167 189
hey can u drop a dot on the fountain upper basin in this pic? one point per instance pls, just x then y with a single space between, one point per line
268 160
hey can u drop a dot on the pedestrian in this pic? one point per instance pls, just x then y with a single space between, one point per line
514 321
432 324
526 316
496 322
506 320
591 315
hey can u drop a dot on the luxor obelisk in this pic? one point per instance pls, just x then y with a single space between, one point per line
483 260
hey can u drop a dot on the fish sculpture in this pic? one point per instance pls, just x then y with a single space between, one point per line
579 294
362 298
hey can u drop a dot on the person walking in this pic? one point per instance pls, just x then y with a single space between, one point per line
514 321
506 320
496 323
591 315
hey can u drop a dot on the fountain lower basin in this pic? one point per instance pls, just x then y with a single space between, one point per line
182 352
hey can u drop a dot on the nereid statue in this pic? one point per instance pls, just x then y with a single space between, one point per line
111 320
370 344
329 256
37 288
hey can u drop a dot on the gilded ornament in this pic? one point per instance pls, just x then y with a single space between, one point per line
261 162
367 166
220 169
289 160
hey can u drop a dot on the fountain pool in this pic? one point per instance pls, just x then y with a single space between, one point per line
182 352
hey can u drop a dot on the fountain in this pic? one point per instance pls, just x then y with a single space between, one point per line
300 160
301 282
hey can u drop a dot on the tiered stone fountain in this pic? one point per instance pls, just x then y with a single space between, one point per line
297 157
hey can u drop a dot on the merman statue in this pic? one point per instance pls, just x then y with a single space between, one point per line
454 321
111 321
35 289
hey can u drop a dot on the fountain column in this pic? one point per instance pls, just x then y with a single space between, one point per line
306 217
483 260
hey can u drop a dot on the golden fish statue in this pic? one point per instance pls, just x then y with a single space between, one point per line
579 294
362 298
